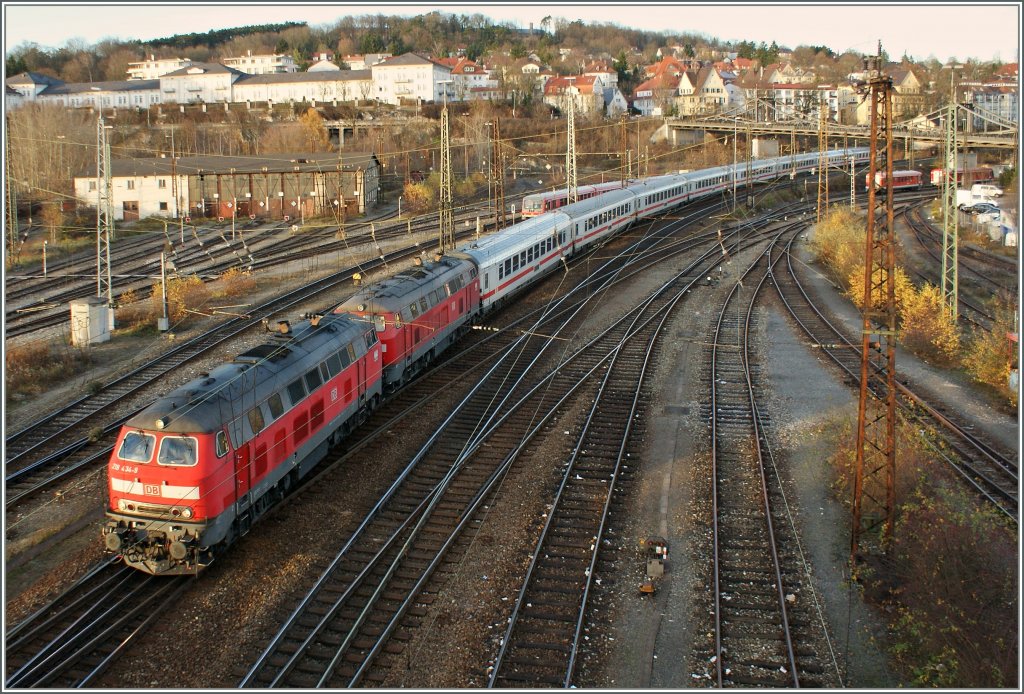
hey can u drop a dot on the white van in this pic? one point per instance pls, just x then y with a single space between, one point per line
987 190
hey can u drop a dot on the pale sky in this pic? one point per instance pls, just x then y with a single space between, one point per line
989 31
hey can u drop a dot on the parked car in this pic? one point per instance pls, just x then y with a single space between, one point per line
982 208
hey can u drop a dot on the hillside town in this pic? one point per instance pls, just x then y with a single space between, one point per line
672 85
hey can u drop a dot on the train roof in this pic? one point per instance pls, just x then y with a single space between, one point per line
521 233
395 292
205 403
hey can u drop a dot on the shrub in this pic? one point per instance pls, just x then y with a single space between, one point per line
991 354
33 368
839 243
235 282
927 328
949 584
184 295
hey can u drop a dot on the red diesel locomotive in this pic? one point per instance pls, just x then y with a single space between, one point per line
418 313
191 472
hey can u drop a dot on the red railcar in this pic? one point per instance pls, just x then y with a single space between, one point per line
965 178
901 180
539 203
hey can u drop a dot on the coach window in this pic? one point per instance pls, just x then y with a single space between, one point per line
296 391
177 450
371 339
414 310
222 444
137 447
351 351
424 306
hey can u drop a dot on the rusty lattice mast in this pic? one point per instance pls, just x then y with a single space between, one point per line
875 475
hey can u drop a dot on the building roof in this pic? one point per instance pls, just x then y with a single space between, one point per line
203 68
409 59
112 86
559 85
305 162
26 78
293 77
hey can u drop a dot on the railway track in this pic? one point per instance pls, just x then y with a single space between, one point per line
71 642
41 646
765 628
992 473
980 274
208 259
352 620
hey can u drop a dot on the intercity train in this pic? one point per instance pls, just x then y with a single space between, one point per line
193 471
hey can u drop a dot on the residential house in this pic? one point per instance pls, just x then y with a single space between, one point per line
31 84
155 67
115 94
587 93
365 62
656 95
604 71
267 64
199 83
708 90
323 66
411 77
470 80
316 87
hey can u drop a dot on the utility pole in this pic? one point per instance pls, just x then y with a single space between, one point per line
570 152
950 221
748 154
445 212
622 157
12 206
498 174
822 159
875 473
104 218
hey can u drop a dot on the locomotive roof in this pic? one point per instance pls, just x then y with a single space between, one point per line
395 292
230 389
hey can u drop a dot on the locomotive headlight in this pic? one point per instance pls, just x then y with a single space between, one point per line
186 513
122 504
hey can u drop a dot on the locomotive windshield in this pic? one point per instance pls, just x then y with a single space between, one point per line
177 450
137 447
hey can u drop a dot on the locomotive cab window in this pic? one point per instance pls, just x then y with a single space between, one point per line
371 339
178 451
222 444
137 447
379 324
